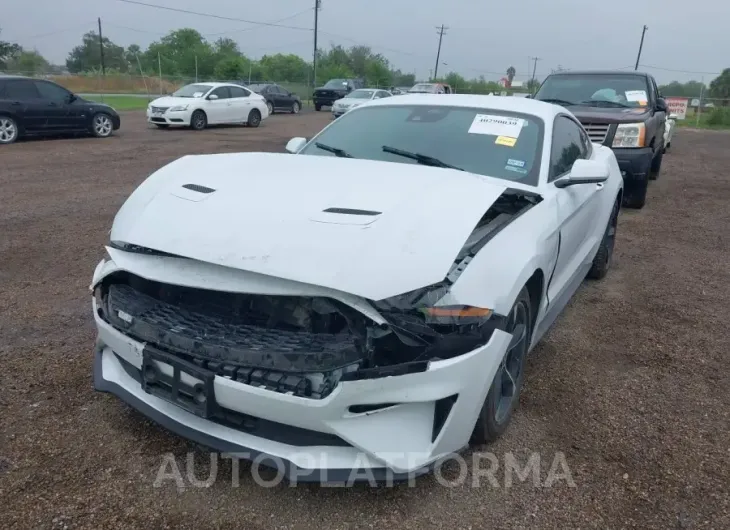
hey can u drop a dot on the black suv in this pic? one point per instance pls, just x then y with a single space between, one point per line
333 90
277 97
36 107
621 110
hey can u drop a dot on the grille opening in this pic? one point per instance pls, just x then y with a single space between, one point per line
198 188
441 413
363 409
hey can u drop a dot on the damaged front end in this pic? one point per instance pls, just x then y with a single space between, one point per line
305 345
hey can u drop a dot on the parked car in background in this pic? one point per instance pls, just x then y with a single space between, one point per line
202 104
333 90
430 88
669 131
37 107
357 98
619 109
479 217
278 98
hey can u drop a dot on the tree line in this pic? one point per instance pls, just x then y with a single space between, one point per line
186 54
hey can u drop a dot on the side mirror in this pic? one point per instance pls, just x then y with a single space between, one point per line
584 172
71 97
661 105
212 97
295 144
672 116
529 96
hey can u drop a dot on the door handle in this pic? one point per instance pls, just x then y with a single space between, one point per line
16 104
599 186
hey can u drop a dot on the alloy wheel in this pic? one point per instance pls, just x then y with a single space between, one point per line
102 125
8 131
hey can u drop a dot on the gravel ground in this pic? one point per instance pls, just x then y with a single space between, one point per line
631 385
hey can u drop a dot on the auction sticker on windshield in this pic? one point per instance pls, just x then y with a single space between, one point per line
496 125
637 96
506 140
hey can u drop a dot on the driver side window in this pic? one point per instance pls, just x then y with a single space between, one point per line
221 92
51 91
568 146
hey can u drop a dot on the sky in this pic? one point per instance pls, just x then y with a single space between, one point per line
684 40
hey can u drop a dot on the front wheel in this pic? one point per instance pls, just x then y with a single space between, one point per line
101 125
295 108
254 118
198 121
8 130
602 261
656 165
162 125
504 394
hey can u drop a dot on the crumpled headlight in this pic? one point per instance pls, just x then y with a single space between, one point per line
629 135
178 108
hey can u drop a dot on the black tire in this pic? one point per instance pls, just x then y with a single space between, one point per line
9 130
504 394
270 107
198 121
101 125
602 261
254 118
317 107
635 196
296 107
656 165
162 125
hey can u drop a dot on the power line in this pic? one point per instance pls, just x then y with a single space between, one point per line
259 26
91 23
211 15
679 71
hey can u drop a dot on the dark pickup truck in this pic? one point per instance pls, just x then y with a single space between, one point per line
621 110
333 90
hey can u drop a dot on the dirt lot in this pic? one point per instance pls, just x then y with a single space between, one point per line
631 384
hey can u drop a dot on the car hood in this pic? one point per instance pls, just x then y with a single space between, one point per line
609 115
169 101
350 102
390 228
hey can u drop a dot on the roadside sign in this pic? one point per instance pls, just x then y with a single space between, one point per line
678 106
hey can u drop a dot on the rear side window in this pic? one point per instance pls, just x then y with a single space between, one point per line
568 146
2 88
22 89
238 92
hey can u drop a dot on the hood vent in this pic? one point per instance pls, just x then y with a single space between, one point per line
350 211
198 188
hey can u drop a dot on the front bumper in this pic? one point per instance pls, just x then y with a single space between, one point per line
634 163
394 442
170 118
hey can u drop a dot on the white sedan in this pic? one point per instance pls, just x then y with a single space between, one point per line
357 98
362 308
669 127
202 104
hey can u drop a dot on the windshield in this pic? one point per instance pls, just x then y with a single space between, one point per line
257 88
489 142
596 90
360 94
192 91
423 87
335 83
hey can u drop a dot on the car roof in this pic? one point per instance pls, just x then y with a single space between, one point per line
541 109
601 72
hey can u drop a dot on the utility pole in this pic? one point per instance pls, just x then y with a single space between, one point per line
641 45
534 69
441 32
314 59
196 67
101 49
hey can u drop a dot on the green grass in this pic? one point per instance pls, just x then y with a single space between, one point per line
122 102
691 120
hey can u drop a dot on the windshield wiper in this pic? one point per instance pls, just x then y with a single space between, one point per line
562 102
421 159
335 150
599 102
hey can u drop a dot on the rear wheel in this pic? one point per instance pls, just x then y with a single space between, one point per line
270 107
198 121
101 125
504 393
317 107
254 118
602 261
8 130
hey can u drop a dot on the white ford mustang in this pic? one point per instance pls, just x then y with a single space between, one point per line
366 304
202 104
